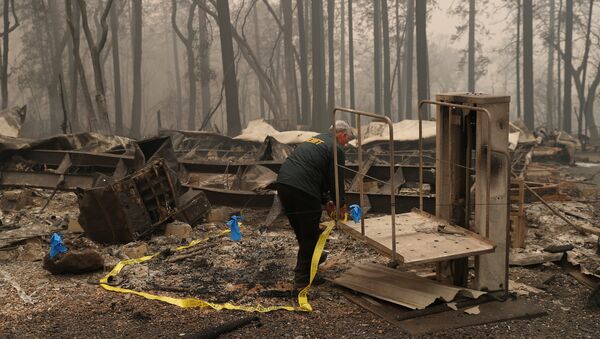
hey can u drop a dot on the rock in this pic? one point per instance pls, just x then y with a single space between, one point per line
135 250
74 261
220 214
179 230
74 227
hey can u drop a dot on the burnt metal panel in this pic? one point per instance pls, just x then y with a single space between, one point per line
48 180
130 208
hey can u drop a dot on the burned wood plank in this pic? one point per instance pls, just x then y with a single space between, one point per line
491 312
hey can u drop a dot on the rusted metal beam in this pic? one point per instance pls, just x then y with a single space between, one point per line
380 203
53 158
379 172
46 180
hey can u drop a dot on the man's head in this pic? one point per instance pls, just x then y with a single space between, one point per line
343 132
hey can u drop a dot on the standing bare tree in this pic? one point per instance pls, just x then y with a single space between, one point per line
114 32
377 56
408 59
351 56
305 92
72 10
319 105
291 85
7 29
188 43
422 54
528 94
331 53
73 74
550 99
95 50
385 30
342 55
204 57
136 37
567 59
231 91
518 60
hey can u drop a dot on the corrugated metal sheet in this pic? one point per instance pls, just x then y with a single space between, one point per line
402 288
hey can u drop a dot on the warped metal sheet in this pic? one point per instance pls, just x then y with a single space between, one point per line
402 288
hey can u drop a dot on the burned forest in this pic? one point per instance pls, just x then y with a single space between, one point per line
299 169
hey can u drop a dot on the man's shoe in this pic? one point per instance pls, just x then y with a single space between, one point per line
323 257
300 282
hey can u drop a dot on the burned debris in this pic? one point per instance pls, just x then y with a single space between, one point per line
161 205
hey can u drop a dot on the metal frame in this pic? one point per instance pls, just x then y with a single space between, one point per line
422 103
388 121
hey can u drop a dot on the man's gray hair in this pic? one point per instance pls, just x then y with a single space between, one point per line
342 126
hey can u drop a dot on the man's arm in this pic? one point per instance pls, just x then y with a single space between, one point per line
341 162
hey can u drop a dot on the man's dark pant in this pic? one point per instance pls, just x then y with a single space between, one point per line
304 213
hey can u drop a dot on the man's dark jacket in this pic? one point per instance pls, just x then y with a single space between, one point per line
310 168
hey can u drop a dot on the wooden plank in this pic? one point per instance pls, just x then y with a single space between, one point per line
367 163
491 270
491 312
401 288
528 259
420 238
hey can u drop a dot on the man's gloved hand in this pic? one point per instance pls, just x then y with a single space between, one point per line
331 212
343 211
330 208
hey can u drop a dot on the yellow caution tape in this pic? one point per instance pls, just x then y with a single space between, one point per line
195 302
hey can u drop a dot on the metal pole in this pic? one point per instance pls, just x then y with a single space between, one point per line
361 184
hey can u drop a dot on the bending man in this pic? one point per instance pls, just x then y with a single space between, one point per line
305 182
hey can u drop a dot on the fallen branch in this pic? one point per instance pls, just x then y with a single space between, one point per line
24 296
581 229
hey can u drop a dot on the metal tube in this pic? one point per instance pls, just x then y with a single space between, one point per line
361 184
391 150
488 150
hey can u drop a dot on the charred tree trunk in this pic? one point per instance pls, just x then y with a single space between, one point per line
351 57
305 106
73 78
319 105
95 50
471 50
204 63
75 35
342 55
291 84
258 52
550 71
114 31
518 59
377 57
331 50
422 54
179 112
408 59
136 36
399 87
387 95
528 94
231 91
568 56
188 43
7 28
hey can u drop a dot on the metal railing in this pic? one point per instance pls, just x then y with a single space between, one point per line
387 120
